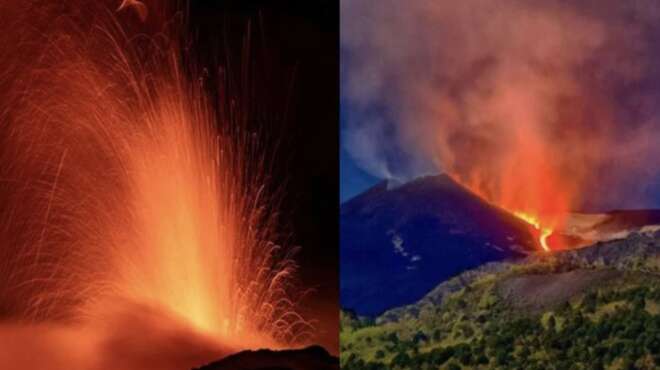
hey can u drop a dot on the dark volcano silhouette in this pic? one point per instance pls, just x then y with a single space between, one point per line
399 243
310 358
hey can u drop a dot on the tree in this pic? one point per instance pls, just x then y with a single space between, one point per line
589 302
392 337
482 359
402 359
420 337
552 323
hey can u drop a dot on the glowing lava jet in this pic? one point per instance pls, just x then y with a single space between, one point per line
132 205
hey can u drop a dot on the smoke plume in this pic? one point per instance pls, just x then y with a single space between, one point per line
539 107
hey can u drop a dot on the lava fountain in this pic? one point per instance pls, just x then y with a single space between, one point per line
136 221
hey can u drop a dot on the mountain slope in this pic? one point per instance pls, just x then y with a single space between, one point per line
310 358
593 308
397 244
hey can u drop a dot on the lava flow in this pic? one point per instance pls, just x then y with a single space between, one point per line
525 179
544 232
136 225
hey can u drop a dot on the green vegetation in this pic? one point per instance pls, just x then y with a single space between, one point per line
613 324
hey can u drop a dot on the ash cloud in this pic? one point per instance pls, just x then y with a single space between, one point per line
556 94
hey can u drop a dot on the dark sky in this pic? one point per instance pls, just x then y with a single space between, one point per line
294 68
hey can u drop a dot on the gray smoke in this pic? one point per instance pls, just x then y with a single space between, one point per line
480 88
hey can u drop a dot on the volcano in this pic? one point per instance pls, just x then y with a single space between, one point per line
310 358
399 242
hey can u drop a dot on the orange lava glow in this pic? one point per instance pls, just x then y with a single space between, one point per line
544 232
523 174
135 216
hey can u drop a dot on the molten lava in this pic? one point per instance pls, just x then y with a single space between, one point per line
134 209
525 179
544 232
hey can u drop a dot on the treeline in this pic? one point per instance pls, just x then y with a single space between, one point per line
605 328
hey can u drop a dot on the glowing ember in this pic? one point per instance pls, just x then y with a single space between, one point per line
128 195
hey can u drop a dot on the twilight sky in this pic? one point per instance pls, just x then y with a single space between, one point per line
470 89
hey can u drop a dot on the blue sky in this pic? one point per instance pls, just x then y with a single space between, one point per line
353 180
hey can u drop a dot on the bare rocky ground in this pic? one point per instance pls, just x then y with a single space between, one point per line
537 293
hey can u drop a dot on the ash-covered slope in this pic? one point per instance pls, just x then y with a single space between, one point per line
623 221
397 244
310 358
